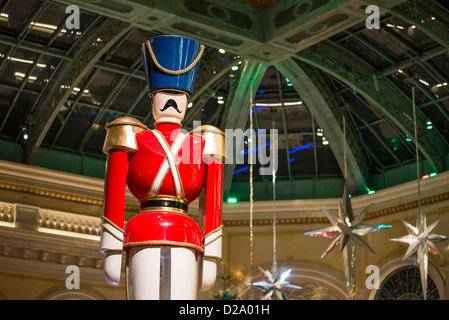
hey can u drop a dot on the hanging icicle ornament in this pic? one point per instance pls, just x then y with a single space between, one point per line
276 280
251 194
419 238
274 268
347 227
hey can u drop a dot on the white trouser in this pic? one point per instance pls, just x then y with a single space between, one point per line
165 273
208 262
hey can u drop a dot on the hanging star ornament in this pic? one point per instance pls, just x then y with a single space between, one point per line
274 284
347 227
421 240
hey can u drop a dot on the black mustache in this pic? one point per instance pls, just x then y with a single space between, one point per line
170 103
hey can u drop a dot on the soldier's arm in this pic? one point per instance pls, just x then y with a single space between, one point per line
119 144
211 202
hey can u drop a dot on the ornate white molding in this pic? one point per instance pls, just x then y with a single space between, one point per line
69 222
27 246
7 211
35 251
50 179
85 190
52 221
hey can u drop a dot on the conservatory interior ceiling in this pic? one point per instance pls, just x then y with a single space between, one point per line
336 91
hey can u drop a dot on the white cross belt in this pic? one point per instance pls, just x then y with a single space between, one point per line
169 163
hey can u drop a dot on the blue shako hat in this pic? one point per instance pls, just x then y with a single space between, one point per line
171 63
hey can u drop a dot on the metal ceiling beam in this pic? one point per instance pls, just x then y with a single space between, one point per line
430 68
86 52
120 69
315 156
379 138
214 66
236 115
200 98
387 122
62 54
34 47
415 57
212 80
419 14
372 46
22 85
431 96
321 102
106 103
284 124
33 66
411 61
352 71
418 58
371 156
25 28
369 126
267 35
73 104
81 103
136 101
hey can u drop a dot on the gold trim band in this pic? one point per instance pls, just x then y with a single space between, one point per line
216 230
212 258
158 243
126 123
164 90
165 197
163 209
113 224
60 195
174 72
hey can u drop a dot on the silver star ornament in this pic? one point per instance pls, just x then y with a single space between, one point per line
421 240
347 227
275 284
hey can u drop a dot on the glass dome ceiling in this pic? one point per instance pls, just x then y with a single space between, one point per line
307 64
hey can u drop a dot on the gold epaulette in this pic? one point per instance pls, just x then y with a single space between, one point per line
121 135
215 142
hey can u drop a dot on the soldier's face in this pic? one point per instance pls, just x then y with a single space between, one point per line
169 107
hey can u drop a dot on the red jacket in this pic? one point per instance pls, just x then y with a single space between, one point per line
165 169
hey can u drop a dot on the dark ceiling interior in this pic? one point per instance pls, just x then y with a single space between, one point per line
307 66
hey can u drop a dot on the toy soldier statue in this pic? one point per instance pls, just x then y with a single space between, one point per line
169 255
